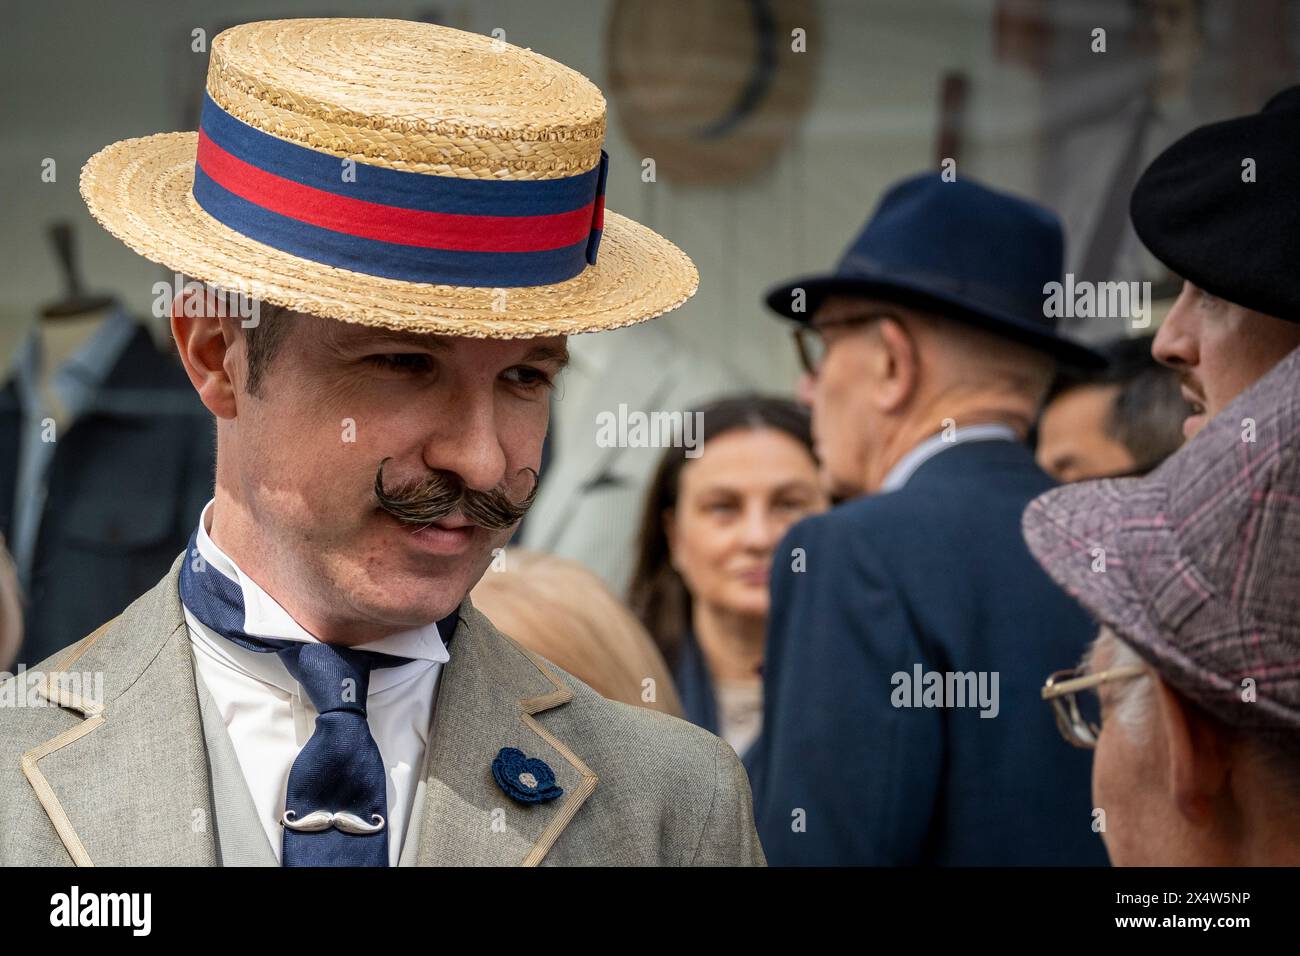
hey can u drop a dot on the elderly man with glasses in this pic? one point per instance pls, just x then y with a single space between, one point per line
902 720
1190 696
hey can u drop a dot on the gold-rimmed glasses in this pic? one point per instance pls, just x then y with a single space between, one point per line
811 341
1075 698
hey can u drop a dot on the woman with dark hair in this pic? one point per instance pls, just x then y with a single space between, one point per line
709 528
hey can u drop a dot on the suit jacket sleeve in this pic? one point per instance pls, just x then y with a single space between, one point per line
729 838
864 773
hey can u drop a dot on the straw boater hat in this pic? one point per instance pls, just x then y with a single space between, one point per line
393 174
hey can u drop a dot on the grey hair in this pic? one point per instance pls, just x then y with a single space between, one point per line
1134 700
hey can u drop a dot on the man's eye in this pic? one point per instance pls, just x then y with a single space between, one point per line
403 361
530 378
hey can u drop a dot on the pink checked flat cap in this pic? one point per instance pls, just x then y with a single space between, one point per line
1201 557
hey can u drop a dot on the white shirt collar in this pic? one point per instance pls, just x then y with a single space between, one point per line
902 472
264 617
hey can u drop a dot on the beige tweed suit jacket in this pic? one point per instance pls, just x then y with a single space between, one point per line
138 777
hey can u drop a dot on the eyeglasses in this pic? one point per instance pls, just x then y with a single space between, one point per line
1076 701
811 342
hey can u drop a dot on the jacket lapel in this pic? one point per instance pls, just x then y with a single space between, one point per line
127 784
494 694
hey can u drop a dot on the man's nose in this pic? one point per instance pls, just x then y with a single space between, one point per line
468 444
1176 340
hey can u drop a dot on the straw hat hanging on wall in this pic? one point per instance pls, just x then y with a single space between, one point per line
712 91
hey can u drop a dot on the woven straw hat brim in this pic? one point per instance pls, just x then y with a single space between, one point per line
140 190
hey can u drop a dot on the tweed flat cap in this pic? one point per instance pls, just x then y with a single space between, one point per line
1197 565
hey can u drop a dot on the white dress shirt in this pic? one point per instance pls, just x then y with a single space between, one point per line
270 718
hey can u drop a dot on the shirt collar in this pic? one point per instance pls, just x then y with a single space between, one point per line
264 617
902 472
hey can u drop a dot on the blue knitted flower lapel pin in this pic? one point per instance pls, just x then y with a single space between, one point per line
524 778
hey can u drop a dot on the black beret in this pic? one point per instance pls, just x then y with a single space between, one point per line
1237 240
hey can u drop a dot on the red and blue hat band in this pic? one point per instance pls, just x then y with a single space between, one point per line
400 225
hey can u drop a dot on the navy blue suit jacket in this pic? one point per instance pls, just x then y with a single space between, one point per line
934 574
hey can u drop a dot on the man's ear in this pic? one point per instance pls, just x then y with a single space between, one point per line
1197 751
203 341
898 367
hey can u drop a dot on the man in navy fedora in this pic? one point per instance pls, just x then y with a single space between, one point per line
910 626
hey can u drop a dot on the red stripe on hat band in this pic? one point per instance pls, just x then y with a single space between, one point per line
410 227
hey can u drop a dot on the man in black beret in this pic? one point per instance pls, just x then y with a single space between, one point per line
1221 208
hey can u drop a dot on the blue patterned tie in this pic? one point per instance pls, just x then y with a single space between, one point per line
336 804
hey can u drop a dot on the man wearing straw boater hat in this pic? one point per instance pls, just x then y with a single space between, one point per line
418 211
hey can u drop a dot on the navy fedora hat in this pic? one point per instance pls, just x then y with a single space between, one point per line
959 249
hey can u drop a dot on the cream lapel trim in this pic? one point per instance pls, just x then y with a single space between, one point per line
44 793
576 798
59 695
112 784
487 699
